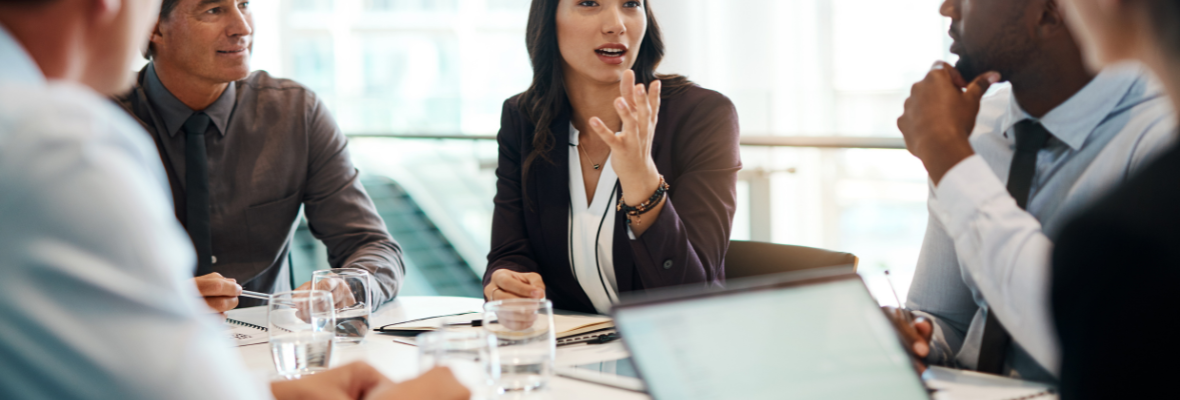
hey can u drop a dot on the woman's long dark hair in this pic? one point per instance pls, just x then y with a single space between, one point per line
546 98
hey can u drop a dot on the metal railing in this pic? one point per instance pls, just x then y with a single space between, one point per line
828 142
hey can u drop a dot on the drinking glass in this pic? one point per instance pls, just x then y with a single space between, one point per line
469 353
526 342
354 302
300 331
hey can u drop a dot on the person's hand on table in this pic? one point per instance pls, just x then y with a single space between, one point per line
341 294
915 333
436 384
940 115
508 285
360 380
220 293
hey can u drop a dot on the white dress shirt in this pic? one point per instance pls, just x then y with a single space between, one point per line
96 292
592 230
983 252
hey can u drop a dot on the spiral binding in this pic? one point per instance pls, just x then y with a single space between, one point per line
246 324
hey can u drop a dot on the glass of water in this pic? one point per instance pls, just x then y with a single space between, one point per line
469 353
526 342
354 302
299 325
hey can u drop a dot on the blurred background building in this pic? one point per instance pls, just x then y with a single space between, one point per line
419 85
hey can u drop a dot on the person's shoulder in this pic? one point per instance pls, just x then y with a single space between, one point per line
62 112
263 80
693 97
513 114
282 90
66 129
1146 196
512 104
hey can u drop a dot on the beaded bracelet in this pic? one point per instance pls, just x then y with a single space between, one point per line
646 206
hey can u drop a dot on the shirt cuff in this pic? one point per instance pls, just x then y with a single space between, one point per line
963 192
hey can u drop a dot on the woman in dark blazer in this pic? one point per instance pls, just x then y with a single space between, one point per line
606 186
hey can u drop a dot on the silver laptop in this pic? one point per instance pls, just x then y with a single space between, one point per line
809 335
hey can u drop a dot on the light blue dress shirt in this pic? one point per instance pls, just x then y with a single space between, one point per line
983 253
96 292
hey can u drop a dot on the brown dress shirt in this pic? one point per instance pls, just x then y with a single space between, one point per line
273 147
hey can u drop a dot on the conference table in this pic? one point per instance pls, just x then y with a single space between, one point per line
399 361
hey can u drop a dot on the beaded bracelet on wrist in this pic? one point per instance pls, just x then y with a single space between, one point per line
644 207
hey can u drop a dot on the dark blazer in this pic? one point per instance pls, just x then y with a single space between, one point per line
1115 274
695 148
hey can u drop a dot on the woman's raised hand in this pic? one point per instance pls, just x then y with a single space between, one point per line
639 108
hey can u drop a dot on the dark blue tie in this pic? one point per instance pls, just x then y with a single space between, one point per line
197 191
1031 137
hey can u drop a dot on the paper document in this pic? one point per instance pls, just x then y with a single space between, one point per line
565 323
245 334
953 384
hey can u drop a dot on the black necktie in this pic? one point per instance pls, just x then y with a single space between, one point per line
197 191
1031 137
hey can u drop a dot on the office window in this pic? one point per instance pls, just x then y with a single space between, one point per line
820 68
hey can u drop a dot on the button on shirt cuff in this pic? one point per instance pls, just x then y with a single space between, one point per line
963 192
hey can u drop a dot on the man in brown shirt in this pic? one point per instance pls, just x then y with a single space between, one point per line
244 152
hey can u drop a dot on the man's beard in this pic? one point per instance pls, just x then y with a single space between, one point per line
968 68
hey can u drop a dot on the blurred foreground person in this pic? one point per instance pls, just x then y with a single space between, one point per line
96 296
1006 173
1116 267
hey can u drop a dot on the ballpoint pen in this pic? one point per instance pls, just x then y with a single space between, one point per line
909 318
255 295
891 289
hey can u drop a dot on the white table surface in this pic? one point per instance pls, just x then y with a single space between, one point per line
400 361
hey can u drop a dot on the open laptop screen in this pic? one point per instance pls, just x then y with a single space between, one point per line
824 339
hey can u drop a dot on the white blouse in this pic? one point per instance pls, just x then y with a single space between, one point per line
592 230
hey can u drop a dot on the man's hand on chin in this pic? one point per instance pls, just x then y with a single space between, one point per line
940 115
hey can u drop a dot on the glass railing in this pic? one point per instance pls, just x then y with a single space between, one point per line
866 196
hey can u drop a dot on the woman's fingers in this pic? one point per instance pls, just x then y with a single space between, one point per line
627 113
654 99
518 286
603 132
642 105
627 84
535 280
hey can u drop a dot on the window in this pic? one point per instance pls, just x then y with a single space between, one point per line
818 68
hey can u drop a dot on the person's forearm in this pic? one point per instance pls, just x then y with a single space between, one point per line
383 260
1005 253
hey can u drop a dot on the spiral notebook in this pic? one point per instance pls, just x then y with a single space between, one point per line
245 333
567 325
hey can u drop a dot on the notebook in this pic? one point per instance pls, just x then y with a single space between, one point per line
245 333
566 324
955 384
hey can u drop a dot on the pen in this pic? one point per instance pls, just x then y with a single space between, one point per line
908 317
891 289
255 295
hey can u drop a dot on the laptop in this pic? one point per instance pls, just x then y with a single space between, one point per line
814 334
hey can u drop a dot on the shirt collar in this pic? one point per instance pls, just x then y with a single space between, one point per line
175 113
1072 122
15 63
